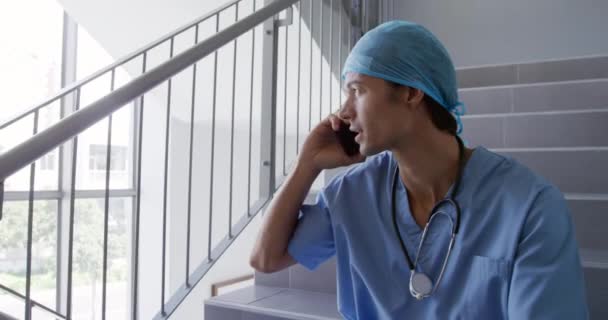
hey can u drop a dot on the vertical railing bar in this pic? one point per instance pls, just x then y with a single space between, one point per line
1 198
217 27
299 64
385 6
236 18
138 201
106 208
340 57
386 11
167 134
72 209
30 226
321 64
361 14
250 118
192 110
331 52
366 14
312 2
285 98
350 28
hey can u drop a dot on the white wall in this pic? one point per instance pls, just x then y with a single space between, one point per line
124 26
480 32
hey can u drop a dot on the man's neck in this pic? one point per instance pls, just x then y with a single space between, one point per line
428 166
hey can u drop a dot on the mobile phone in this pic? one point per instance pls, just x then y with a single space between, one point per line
347 140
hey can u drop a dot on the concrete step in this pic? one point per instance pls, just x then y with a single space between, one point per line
581 128
572 170
597 292
323 279
548 96
272 303
593 67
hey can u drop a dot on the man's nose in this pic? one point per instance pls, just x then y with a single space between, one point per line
346 110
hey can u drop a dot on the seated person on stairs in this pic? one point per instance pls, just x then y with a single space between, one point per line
422 227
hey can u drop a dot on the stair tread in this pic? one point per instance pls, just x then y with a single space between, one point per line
280 302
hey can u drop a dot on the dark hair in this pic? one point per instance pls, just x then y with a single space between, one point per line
441 118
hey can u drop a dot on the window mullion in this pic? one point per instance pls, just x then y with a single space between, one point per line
68 76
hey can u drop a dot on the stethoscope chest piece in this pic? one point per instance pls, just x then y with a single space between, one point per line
421 285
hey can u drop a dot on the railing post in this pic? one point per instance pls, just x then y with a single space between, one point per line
269 114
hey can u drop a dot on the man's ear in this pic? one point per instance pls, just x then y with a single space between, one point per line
412 96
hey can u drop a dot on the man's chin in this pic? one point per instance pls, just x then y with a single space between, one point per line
368 151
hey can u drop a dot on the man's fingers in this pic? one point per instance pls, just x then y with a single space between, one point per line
335 122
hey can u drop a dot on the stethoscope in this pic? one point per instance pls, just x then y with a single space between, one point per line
420 284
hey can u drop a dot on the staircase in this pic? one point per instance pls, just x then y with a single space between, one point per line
552 116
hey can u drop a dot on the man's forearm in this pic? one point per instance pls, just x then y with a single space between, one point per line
270 251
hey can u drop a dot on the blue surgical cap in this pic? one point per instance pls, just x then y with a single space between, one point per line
408 54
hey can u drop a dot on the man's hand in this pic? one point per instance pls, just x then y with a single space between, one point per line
322 149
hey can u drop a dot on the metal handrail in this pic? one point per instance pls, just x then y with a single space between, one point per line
34 304
70 88
27 152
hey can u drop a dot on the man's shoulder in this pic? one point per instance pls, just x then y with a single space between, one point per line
515 174
370 174
509 178
372 166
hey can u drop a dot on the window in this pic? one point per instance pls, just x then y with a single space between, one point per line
32 70
98 155
30 64
47 162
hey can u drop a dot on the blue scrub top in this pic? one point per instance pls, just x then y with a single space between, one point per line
515 255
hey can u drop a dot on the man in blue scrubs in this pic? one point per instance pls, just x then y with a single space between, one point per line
514 253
